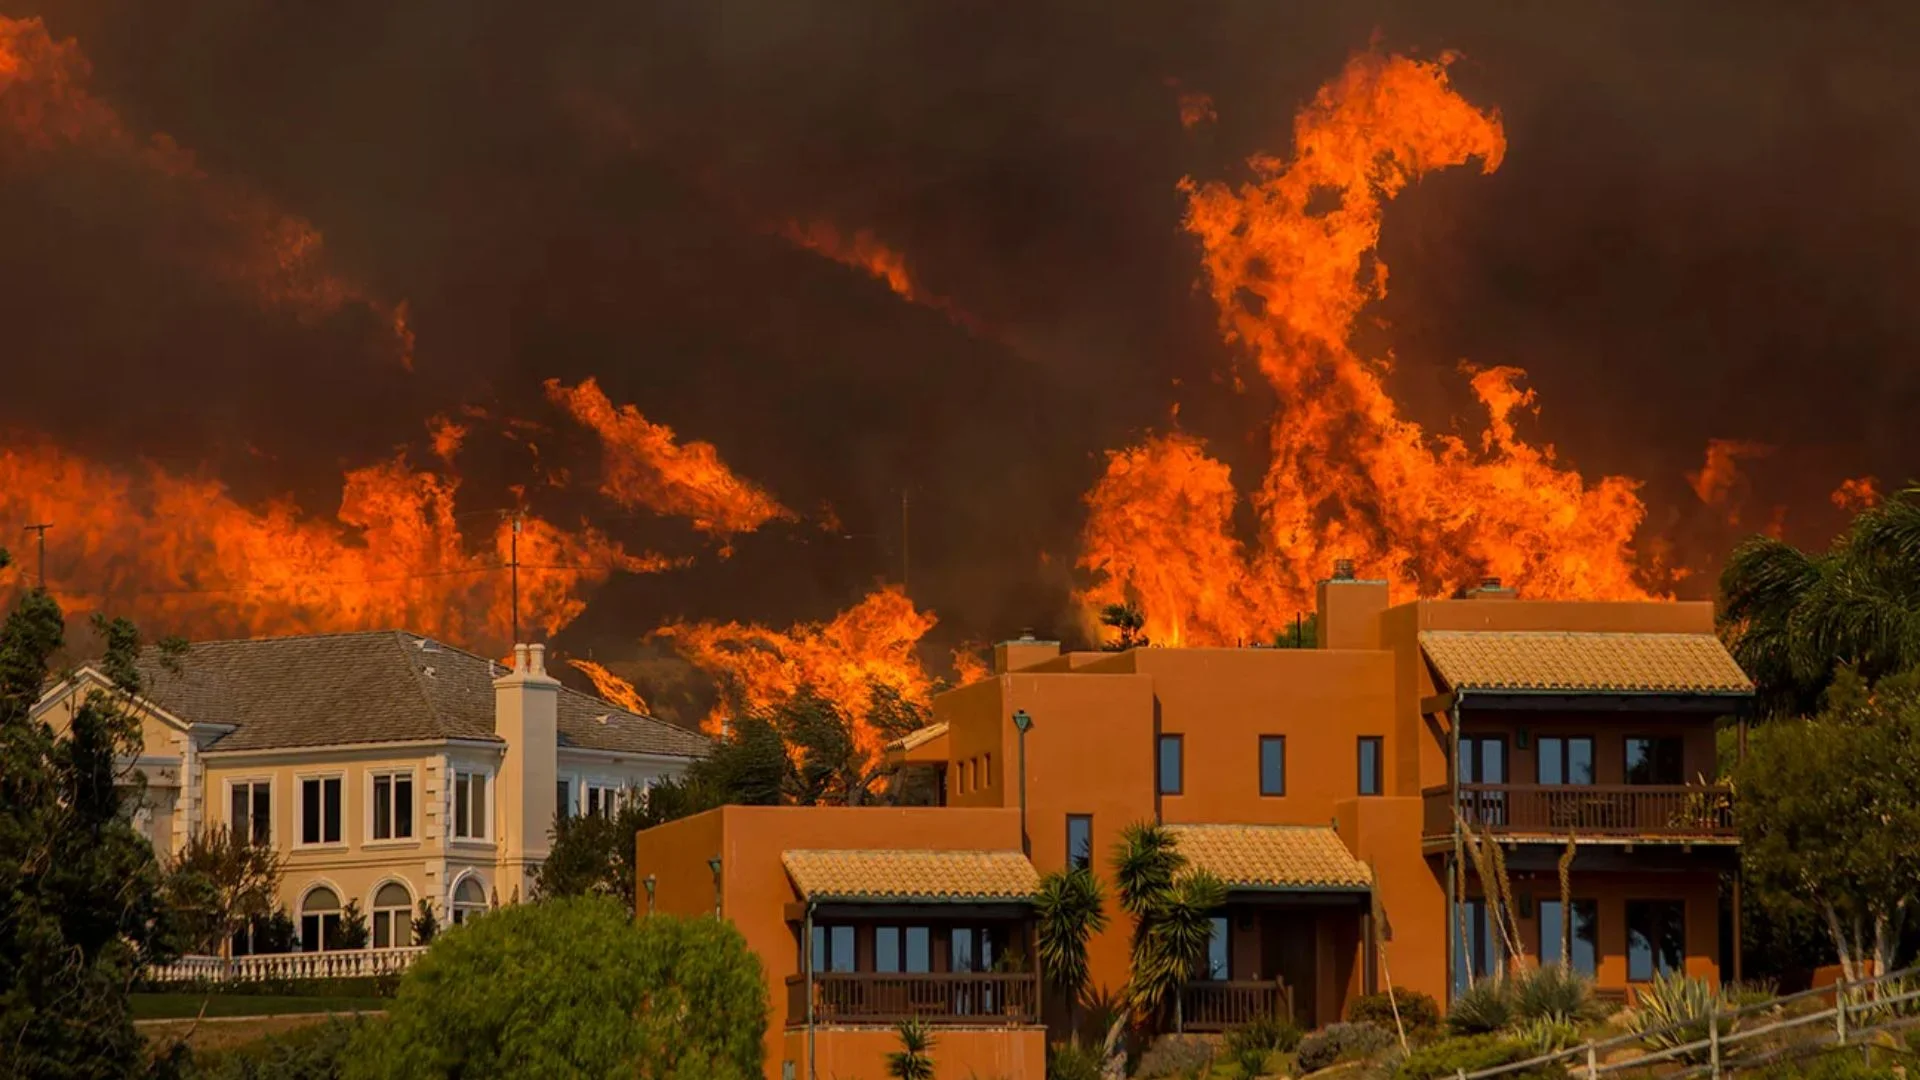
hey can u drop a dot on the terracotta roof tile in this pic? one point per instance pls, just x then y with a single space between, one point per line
1271 856
1583 662
938 876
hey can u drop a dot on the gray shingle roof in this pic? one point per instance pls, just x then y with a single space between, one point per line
379 686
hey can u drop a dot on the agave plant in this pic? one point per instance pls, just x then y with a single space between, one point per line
1553 993
914 1059
1675 1010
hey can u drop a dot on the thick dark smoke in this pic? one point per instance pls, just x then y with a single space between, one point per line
1705 227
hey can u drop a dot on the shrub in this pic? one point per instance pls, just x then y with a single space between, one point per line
1673 1011
1842 1065
1266 1034
574 987
1484 1007
1252 1061
1071 1061
1418 1011
313 1052
914 1059
1547 1034
1339 1042
1461 1053
1553 993
1748 992
1178 1055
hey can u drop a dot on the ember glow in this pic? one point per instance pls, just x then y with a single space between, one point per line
1289 258
859 249
1718 475
644 467
612 687
1856 494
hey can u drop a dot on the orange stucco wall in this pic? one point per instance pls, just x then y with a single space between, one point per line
1610 893
860 1053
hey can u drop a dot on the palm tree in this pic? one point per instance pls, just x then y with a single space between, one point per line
1068 911
914 1059
1792 618
1172 908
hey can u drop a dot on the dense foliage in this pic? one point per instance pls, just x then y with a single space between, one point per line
1485 1006
220 883
1418 1011
1071 1061
80 901
313 1052
574 987
1461 1053
1067 912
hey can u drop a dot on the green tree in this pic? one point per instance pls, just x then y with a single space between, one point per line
575 987
1129 624
218 884
426 924
1793 619
1828 809
914 1059
353 932
1068 911
1171 906
80 907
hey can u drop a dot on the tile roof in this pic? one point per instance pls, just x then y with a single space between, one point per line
1304 857
379 686
912 875
1583 662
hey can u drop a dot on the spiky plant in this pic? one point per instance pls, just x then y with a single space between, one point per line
1068 911
1171 907
914 1059
1674 1010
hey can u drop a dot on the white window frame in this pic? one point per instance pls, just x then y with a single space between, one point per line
273 810
300 811
412 775
485 822
404 915
613 794
457 911
570 808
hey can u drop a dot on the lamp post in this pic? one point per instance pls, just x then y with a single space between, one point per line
650 882
713 864
1022 723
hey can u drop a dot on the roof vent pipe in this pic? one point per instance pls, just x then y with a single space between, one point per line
1343 569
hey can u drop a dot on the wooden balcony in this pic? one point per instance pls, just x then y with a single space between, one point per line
1624 811
1219 1006
873 998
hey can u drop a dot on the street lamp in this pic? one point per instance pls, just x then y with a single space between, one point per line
650 882
713 864
1022 723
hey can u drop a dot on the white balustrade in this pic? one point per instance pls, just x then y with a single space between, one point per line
341 964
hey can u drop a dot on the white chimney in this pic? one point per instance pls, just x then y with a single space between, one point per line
526 703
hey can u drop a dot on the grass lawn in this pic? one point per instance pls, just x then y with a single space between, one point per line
187 1006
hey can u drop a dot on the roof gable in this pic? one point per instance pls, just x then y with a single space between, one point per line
1583 663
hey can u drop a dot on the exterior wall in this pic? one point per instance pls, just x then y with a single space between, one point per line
958 1053
1609 731
1410 895
754 887
1611 892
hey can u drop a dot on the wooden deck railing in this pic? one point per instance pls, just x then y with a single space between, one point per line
940 998
1620 810
1217 1006
342 964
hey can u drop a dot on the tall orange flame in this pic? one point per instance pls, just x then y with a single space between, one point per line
612 687
1720 472
859 249
1289 259
642 466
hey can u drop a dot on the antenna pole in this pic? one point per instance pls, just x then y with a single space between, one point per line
513 572
906 545
41 529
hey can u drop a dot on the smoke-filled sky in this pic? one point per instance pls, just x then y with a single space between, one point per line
1704 228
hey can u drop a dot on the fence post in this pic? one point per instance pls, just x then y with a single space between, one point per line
1713 1042
1840 1007
1593 1061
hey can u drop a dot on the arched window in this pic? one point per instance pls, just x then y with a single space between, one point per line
319 919
469 900
392 916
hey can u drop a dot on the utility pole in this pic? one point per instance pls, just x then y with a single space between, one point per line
513 574
906 545
41 529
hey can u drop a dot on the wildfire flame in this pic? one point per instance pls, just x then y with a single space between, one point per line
758 668
1290 261
1196 108
643 467
1857 493
47 112
862 250
1715 481
612 687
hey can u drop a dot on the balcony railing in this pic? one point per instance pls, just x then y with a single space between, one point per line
1219 1006
340 964
1661 811
843 997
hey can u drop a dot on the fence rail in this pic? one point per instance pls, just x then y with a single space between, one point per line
1653 810
341 964
846 997
1219 1005
1859 1008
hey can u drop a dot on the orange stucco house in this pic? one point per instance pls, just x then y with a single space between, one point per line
1335 791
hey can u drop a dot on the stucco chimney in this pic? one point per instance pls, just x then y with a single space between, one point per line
1023 652
1349 609
526 704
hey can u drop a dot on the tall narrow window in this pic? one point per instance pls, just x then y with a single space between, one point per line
563 798
251 817
1170 764
986 770
392 806
470 805
886 950
1566 759
1480 952
832 948
919 950
1656 938
320 810
392 916
319 920
1218 938
1370 765
1584 935
1079 840
1273 764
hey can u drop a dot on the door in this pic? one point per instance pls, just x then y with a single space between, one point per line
1483 760
1288 948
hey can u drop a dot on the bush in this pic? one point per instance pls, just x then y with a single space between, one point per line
1484 1007
1266 1034
1178 1055
1673 1011
313 1052
1547 1034
1071 1061
1847 1064
1740 995
1462 1053
574 987
1553 993
1418 1011
1339 1042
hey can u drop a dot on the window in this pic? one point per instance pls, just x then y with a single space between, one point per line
470 805
1218 938
392 806
602 799
832 948
469 900
1370 765
1656 938
1585 935
1655 761
1483 760
251 816
392 916
986 770
1080 841
1169 764
1273 764
1566 760
1480 952
320 810
970 949
319 919
901 948
963 776
563 798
